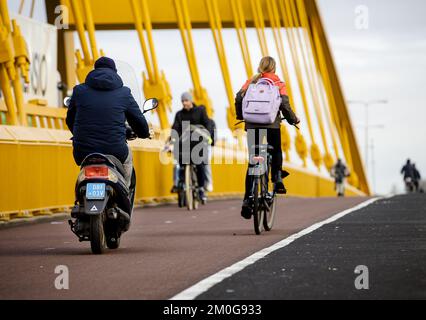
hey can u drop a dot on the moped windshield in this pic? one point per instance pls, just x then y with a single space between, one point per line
130 80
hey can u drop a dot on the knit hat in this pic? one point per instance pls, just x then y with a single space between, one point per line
186 96
105 62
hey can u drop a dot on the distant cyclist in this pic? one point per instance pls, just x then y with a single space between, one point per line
266 73
191 115
417 178
340 172
409 176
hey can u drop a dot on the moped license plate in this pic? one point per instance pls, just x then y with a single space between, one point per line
95 191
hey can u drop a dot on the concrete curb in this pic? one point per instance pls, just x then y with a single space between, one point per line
33 220
64 216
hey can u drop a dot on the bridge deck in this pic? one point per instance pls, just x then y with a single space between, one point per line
388 237
166 251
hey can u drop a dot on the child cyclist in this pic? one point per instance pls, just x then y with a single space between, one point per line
272 131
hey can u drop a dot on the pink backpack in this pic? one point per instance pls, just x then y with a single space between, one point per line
261 102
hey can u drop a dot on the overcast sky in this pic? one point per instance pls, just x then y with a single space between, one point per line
388 60
385 61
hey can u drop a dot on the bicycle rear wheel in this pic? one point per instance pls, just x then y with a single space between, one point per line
270 200
269 219
258 214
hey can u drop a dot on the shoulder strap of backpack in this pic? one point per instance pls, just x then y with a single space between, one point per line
267 80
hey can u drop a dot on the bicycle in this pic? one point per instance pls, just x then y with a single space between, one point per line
188 187
262 201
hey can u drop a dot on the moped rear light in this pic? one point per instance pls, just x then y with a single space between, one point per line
96 172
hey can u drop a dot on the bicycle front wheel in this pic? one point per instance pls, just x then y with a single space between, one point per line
189 192
196 196
258 214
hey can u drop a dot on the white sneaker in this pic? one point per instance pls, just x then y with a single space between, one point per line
209 187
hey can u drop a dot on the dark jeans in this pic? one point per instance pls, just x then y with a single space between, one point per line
273 138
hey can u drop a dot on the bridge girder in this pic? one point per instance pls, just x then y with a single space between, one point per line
215 15
117 15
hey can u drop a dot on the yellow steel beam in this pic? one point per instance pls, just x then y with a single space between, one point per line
155 83
341 114
90 29
300 141
4 13
7 70
300 67
14 64
300 18
259 23
312 56
83 58
318 81
240 26
109 15
22 65
216 28
276 29
184 23
66 49
141 34
288 17
8 96
146 14
79 21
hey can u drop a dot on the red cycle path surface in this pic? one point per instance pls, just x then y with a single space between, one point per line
166 250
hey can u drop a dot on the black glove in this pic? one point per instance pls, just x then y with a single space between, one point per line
130 134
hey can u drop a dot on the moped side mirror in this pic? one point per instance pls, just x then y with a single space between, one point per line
150 105
67 102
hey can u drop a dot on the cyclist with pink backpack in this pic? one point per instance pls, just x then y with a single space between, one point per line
261 103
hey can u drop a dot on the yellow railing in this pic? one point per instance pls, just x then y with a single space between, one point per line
38 173
38 116
45 117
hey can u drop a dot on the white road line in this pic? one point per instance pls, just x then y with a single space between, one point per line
204 285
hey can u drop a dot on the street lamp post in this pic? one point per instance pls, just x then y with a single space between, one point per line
367 104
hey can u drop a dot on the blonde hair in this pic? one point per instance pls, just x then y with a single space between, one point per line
267 64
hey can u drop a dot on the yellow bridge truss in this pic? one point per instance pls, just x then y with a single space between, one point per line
294 22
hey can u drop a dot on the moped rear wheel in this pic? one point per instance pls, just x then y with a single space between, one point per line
97 234
113 241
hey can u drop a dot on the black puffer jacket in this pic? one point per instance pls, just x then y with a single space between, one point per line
196 116
97 116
